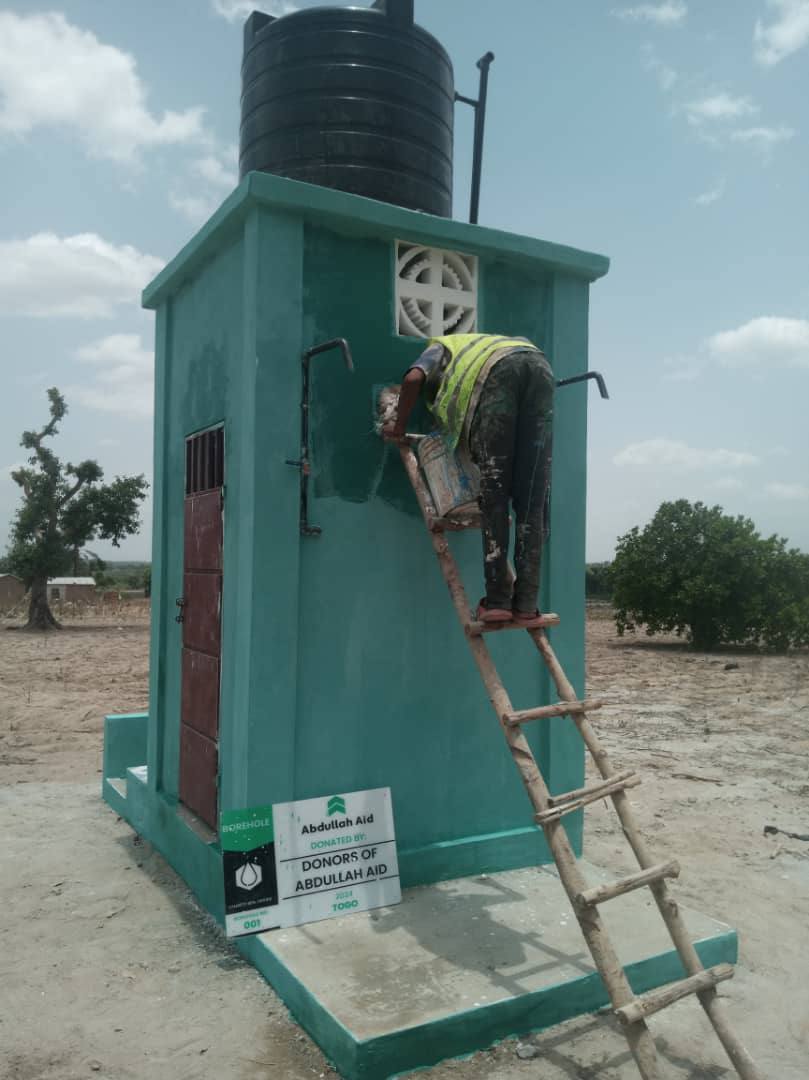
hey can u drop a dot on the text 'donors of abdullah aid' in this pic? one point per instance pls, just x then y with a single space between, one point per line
335 855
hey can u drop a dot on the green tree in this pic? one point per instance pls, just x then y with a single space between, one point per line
64 507
712 577
87 563
138 578
598 581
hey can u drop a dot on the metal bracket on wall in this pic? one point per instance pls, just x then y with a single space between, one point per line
599 378
302 462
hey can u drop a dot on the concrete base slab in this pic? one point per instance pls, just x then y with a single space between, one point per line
461 964
455 967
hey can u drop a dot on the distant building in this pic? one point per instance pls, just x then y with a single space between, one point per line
80 590
12 591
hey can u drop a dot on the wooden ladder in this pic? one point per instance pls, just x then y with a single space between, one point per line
630 1009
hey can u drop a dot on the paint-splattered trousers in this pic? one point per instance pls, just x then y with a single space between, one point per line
510 440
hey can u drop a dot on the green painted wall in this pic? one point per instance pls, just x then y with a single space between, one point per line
388 692
343 666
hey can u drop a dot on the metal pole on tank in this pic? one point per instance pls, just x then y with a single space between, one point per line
480 120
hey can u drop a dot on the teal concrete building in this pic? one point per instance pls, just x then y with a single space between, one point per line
339 664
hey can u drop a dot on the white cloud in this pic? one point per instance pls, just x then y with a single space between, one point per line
722 106
82 276
240 9
712 195
123 376
788 492
213 170
666 76
56 75
668 453
763 138
665 14
711 116
211 178
764 343
788 33
195 208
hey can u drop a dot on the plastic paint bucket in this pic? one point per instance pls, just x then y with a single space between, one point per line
451 478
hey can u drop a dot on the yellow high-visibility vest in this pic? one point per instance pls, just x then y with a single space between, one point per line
468 355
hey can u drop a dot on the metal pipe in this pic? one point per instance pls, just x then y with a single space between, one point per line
480 121
599 378
303 461
333 343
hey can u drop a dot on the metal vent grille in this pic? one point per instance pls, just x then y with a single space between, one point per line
436 291
205 461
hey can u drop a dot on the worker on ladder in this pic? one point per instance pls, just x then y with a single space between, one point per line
493 395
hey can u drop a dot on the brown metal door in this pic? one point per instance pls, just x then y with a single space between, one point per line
201 621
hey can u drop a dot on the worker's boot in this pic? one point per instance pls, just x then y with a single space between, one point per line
488 614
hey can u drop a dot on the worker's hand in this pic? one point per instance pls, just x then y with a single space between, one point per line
392 432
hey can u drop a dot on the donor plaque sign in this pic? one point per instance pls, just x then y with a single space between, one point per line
335 855
299 862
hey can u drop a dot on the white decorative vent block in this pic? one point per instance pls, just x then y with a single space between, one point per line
436 291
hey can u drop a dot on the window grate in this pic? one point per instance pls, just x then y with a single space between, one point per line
205 461
436 291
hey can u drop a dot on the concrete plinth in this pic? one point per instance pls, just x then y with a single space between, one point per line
461 964
455 967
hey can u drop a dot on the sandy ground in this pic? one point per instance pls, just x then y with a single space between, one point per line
108 968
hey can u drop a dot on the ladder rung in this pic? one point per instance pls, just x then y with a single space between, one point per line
574 800
475 629
455 524
545 712
607 782
600 893
652 1002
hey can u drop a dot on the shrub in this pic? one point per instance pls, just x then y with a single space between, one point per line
598 581
712 577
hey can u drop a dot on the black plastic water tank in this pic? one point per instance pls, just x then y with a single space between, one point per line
359 99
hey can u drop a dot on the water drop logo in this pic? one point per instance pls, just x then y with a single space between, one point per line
248 875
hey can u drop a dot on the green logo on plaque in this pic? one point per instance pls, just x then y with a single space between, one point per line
336 805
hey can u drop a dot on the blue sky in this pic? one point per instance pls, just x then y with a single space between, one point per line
670 136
